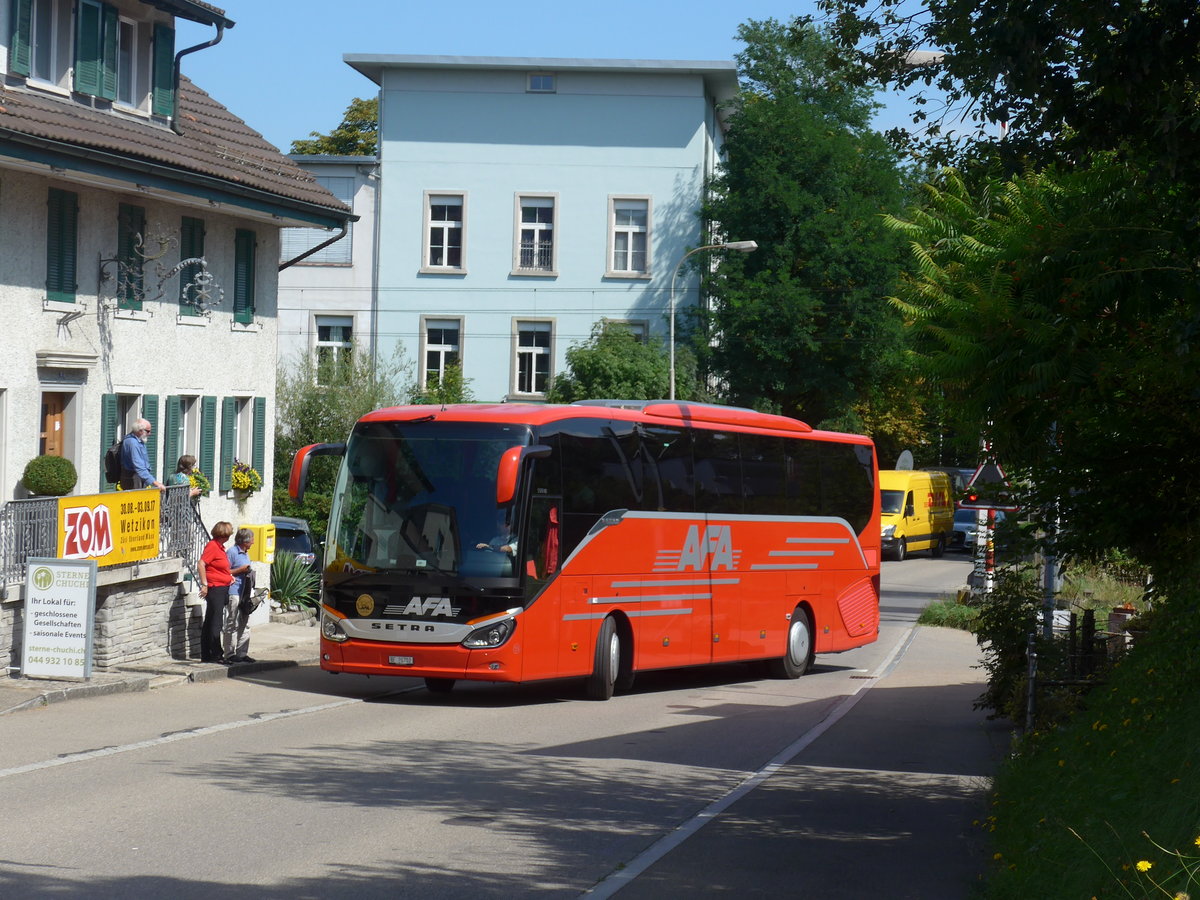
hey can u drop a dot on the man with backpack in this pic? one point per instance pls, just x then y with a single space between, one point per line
135 462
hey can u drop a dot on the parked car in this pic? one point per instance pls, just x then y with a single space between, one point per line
965 530
292 536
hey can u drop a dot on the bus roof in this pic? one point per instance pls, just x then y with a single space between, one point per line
656 412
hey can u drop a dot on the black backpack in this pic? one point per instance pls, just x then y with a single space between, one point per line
112 463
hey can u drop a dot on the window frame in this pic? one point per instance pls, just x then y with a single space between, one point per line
551 229
610 269
340 348
444 350
427 225
541 83
295 241
520 351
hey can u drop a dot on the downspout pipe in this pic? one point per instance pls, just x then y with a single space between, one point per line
179 56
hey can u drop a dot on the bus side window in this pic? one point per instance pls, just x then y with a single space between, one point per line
763 474
804 478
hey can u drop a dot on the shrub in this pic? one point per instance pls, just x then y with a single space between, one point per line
293 584
50 476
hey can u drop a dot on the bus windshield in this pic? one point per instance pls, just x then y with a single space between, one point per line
419 497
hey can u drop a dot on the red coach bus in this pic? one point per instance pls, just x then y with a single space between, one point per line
515 542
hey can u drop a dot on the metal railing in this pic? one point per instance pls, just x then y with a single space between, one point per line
29 528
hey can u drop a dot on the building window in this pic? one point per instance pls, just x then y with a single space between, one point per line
533 352
541 83
629 236
243 276
41 40
62 226
131 228
334 349
181 433
535 234
442 348
243 436
445 221
191 246
294 241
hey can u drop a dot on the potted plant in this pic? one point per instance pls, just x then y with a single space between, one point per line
246 479
49 476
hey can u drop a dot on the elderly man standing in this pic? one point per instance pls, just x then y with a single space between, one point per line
135 463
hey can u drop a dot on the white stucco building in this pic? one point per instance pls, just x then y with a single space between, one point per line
521 201
115 170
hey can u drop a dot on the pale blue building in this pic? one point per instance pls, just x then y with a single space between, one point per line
524 199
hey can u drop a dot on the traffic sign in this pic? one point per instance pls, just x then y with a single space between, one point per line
989 488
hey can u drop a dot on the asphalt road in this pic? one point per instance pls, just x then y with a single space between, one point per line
294 783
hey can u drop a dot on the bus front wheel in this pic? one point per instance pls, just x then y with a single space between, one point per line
607 662
799 651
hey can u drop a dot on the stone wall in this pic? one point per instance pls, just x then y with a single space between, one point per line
144 611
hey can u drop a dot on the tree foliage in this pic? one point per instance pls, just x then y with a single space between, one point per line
801 325
357 135
1060 309
319 404
450 388
615 364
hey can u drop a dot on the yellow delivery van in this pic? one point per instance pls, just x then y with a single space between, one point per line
917 511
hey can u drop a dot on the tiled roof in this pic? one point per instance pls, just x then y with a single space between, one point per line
214 143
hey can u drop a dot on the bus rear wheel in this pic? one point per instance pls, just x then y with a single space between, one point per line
607 662
799 651
439 685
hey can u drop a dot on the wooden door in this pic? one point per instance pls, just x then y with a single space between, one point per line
53 436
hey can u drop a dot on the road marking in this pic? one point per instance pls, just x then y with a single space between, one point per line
664 845
171 738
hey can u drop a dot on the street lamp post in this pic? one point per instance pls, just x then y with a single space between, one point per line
740 246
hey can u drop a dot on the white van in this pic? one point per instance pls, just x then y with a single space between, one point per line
917 511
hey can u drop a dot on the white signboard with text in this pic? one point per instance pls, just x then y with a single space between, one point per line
60 604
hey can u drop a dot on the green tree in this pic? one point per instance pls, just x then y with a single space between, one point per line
450 388
615 364
1061 309
800 325
358 135
316 404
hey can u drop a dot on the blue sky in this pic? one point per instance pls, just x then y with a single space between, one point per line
280 67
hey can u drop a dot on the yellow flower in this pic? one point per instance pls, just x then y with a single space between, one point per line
1197 842
997 856
1144 865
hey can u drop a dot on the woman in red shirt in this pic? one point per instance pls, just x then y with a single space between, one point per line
214 588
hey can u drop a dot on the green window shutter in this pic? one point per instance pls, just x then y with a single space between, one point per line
110 27
243 276
163 103
171 428
208 437
131 225
228 421
62 225
150 414
20 57
108 434
191 246
259 451
89 33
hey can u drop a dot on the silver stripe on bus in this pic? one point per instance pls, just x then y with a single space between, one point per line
650 598
635 613
800 553
577 617
782 567
816 540
675 582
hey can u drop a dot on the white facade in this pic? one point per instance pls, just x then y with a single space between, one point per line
327 301
524 200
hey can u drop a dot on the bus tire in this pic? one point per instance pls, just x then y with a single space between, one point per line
607 662
901 551
939 547
624 680
439 685
799 651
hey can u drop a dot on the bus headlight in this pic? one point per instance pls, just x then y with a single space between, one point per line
331 629
490 635
889 531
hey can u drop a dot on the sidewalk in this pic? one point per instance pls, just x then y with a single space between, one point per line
290 639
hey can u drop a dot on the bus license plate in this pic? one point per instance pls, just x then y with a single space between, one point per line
400 660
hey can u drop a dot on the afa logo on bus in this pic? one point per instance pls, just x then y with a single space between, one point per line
87 532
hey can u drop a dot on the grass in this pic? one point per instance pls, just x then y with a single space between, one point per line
1107 803
949 612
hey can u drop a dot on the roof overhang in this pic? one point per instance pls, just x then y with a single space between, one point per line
193 11
720 77
97 167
